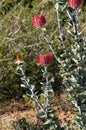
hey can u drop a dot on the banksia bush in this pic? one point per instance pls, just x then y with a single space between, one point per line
43 109
71 62
72 59
66 43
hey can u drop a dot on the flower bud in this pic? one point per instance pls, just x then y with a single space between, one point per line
18 59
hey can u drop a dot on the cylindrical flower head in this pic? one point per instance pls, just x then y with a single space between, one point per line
38 20
74 3
44 59
48 58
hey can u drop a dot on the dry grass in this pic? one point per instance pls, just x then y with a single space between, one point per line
12 110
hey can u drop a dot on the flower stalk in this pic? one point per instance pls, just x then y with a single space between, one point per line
46 94
50 46
74 19
62 36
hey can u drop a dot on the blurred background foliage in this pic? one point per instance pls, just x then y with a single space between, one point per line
17 35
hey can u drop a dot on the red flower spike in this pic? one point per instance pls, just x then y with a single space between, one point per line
74 3
44 59
40 59
38 20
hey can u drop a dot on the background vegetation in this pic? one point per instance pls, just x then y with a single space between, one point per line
17 34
